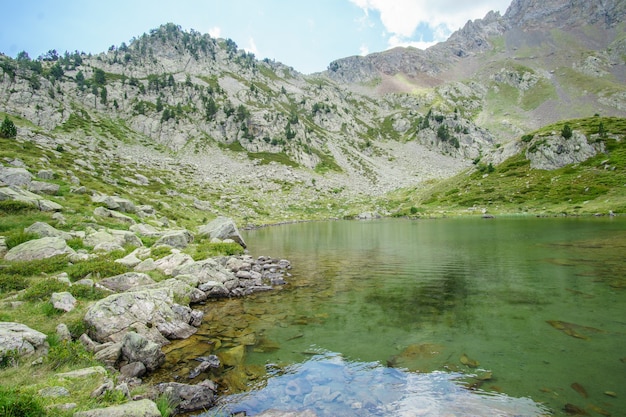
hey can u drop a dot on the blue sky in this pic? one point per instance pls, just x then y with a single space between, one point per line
306 35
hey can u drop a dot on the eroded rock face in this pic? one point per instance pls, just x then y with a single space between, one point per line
43 248
555 151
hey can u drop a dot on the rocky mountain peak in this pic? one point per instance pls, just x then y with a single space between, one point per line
532 14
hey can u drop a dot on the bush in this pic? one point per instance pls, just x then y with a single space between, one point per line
42 290
102 267
14 403
7 128
17 238
64 353
527 138
12 283
566 132
36 266
15 207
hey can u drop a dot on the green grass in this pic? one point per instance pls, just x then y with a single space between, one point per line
266 157
596 185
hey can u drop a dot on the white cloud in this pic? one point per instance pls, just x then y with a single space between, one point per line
364 50
401 18
251 47
215 32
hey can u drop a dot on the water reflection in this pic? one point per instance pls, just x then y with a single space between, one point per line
329 385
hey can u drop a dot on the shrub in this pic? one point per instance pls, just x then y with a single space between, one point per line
42 290
86 292
566 132
160 251
64 353
102 267
14 403
7 128
17 238
36 266
15 207
12 283
527 138
165 405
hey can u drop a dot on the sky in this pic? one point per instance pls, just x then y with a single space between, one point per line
304 34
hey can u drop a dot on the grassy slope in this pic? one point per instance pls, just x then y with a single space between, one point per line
596 185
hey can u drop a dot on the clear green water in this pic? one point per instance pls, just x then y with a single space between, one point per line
535 307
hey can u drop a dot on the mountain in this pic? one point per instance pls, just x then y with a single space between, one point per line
258 139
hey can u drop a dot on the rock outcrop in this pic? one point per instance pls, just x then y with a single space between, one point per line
43 248
19 338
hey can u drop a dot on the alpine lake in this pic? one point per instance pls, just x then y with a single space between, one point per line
512 316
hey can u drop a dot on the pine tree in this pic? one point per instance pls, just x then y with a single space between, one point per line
7 128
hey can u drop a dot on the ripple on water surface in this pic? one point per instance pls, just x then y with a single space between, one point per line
329 385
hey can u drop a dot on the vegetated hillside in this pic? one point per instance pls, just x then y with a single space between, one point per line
539 63
554 172
258 141
245 127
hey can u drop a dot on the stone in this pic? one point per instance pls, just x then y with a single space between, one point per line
141 408
146 230
63 332
177 239
43 248
21 339
206 271
136 348
3 246
45 174
17 177
82 373
146 265
63 301
124 282
133 370
54 392
187 398
172 262
109 353
196 318
130 260
233 356
143 310
222 228
104 212
39 187
45 230
86 341
180 289
105 387
18 194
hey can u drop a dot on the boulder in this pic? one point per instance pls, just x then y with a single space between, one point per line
115 203
124 282
39 187
207 270
143 311
187 398
63 332
45 230
63 301
170 263
146 230
17 177
45 174
137 348
17 194
222 228
181 290
43 248
104 212
22 339
141 408
133 370
177 239
82 373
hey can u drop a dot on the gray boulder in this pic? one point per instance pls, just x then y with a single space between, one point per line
136 348
207 270
143 229
222 228
21 339
187 398
143 311
3 246
45 230
170 263
45 174
104 212
177 239
43 248
124 282
63 301
17 177
39 187
18 194
141 408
